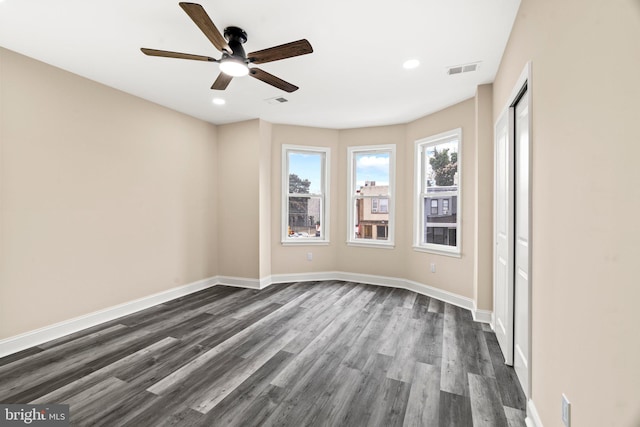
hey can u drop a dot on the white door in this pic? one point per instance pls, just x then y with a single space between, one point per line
521 282
512 231
503 238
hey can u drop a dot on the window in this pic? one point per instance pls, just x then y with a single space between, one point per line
379 205
437 183
305 200
371 195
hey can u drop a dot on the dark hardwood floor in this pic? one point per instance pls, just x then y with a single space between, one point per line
325 353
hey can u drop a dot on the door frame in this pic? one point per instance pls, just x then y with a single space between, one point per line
524 81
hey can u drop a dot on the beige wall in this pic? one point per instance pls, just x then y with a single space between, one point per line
293 259
105 198
355 259
265 208
586 202
483 215
239 172
452 274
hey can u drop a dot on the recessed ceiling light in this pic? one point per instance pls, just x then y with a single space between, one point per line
219 101
411 64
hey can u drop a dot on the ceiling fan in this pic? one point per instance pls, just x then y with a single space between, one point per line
235 62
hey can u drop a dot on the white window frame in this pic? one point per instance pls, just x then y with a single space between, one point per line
324 196
420 194
388 243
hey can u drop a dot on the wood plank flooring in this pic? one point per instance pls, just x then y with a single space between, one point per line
327 353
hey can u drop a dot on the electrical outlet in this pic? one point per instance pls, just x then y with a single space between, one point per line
433 267
566 411
309 256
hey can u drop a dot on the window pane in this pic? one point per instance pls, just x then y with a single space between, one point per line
305 197
372 170
372 179
371 186
441 227
305 173
304 217
441 167
370 224
438 178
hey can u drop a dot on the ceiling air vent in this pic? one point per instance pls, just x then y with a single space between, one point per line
277 100
459 69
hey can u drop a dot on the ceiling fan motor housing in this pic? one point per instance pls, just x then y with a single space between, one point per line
236 37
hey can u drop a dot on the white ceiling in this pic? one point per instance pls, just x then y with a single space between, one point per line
354 77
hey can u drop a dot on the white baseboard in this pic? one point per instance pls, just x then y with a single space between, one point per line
241 282
392 282
302 277
32 338
533 419
483 316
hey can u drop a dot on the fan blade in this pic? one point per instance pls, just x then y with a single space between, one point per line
206 25
288 50
168 54
272 80
222 82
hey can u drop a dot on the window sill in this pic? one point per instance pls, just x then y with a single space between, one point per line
304 242
389 245
437 251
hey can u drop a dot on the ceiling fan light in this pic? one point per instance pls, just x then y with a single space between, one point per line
234 68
